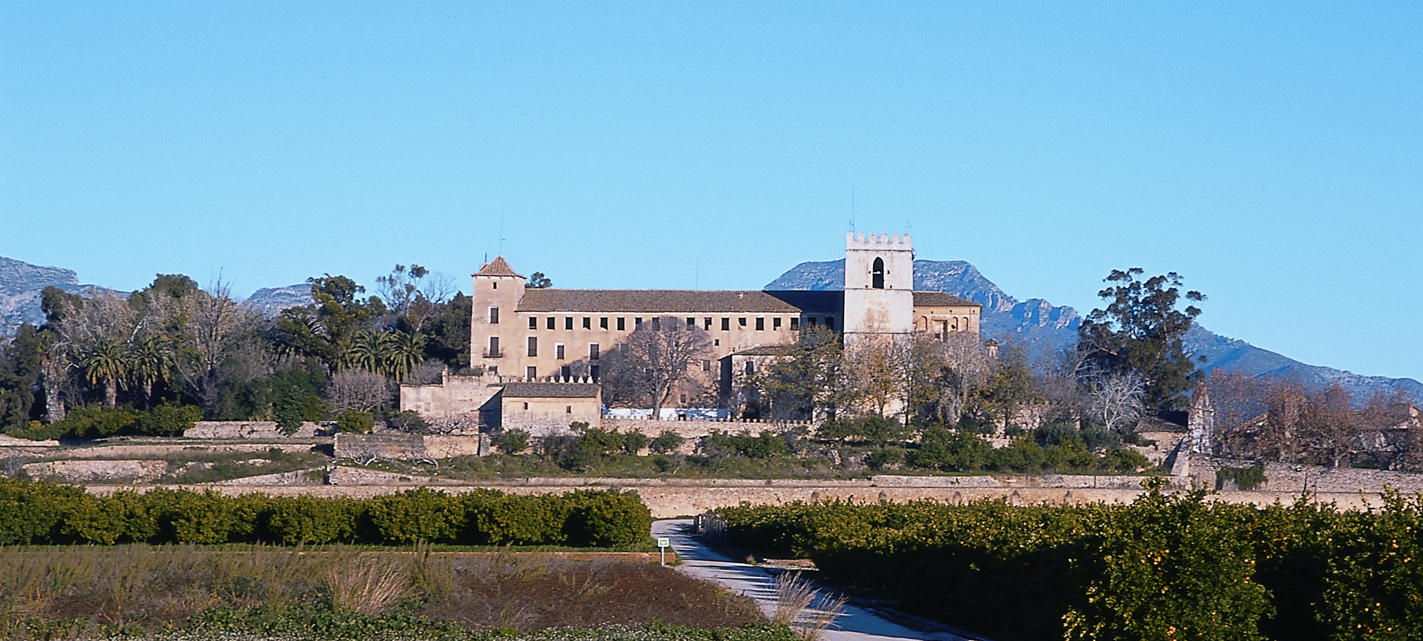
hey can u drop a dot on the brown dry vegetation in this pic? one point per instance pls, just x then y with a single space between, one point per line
158 588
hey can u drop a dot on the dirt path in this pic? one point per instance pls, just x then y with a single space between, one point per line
854 624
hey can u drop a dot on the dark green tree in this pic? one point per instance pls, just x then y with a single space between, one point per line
325 328
1140 332
802 377
538 281
448 332
20 368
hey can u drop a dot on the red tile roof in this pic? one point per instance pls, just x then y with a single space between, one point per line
497 267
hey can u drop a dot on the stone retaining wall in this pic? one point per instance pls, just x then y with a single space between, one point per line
252 429
1289 478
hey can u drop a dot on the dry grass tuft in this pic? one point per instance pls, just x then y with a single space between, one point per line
804 608
370 585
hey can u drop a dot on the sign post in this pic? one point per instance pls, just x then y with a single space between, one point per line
662 545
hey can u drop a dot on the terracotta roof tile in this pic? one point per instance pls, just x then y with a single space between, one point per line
550 390
652 301
497 267
940 299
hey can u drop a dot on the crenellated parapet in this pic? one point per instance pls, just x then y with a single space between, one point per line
878 242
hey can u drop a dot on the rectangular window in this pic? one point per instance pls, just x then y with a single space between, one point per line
706 365
593 372
760 324
716 342
691 322
683 402
532 373
706 323
567 409
565 372
622 325
636 322
810 320
603 323
533 346
533 323
493 347
493 315
741 322
656 323
568 322
587 323
558 351
552 322
795 323
592 351
829 322
725 324
776 323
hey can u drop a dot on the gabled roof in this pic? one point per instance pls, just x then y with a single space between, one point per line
655 301
551 390
497 267
940 299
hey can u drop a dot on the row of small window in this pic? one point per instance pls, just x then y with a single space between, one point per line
551 322
558 352
564 372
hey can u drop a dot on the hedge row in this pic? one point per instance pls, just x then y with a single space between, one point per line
43 513
1164 567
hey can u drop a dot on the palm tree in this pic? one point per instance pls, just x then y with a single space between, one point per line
107 362
150 360
369 350
406 351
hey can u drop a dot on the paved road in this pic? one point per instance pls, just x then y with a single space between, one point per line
854 624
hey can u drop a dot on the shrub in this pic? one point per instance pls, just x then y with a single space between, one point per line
667 442
884 457
1245 478
355 421
634 442
405 421
510 441
951 451
169 420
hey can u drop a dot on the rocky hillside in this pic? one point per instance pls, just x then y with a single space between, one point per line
272 300
20 286
1051 327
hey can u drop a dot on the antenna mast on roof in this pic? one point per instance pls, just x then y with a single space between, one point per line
852 207
501 233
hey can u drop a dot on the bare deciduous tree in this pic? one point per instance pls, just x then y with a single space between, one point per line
1117 400
360 390
656 357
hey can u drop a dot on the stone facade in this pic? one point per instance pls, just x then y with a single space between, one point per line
879 287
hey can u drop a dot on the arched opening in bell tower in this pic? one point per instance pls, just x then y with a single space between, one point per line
877 274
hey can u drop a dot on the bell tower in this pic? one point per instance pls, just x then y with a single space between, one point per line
879 286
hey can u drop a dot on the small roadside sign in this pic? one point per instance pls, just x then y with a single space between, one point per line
662 545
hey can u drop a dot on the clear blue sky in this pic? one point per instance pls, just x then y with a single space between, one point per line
1272 153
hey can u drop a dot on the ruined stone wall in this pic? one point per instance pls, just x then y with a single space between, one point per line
453 396
252 430
690 431
1290 478
359 447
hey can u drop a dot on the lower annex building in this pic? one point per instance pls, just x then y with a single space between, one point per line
558 337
